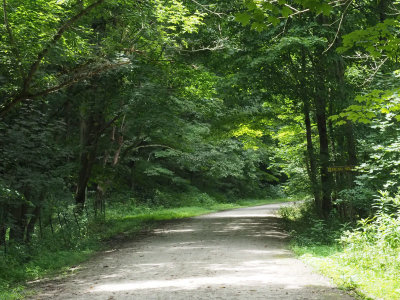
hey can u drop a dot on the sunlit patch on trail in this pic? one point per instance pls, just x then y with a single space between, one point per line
158 231
196 282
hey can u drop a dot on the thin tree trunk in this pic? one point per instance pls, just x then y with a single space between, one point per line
315 188
351 150
86 165
311 158
2 235
3 225
326 177
382 8
89 134
31 225
17 230
320 104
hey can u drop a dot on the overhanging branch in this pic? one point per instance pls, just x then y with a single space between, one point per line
24 93
35 66
74 79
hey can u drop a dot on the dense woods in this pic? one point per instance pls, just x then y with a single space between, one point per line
170 103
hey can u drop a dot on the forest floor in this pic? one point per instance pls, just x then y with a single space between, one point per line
235 254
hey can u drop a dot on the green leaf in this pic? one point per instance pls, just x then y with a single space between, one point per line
273 20
258 26
243 18
250 4
286 12
326 9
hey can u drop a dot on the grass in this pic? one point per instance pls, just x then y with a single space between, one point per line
366 281
364 262
122 221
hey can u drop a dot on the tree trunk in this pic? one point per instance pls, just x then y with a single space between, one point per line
382 9
19 222
2 235
351 150
89 138
3 225
31 225
86 165
326 177
320 104
312 164
310 155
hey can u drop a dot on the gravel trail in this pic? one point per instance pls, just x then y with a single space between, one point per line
236 254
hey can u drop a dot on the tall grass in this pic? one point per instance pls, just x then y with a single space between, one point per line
364 258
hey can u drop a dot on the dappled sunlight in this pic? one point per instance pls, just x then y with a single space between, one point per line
222 216
179 248
157 231
273 252
221 255
110 276
197 282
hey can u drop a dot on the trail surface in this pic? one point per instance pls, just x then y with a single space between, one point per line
237 254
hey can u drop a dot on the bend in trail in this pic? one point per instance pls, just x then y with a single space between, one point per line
236 254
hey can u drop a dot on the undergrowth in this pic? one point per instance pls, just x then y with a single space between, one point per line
57 252
363 256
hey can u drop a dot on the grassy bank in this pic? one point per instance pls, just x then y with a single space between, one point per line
56 255
362 257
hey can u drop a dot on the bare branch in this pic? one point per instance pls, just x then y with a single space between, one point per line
218 45
219 15
84 75
152 146
339 27
378 67
334 3
291 7
77 78
108 124
299 12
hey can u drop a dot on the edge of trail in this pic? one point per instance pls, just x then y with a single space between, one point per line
232 254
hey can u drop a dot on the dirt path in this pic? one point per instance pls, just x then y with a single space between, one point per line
237 254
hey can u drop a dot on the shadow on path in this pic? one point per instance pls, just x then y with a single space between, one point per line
238 254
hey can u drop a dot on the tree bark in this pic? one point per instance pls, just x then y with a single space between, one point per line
351 150
312 164
326 177
2 234
3 224
19 218
320 104
310 155
382 7
87 160
30 228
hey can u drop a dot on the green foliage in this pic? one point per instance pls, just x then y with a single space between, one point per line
374 105
378 41
177 18
355 202
260 14
364 258
306 228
